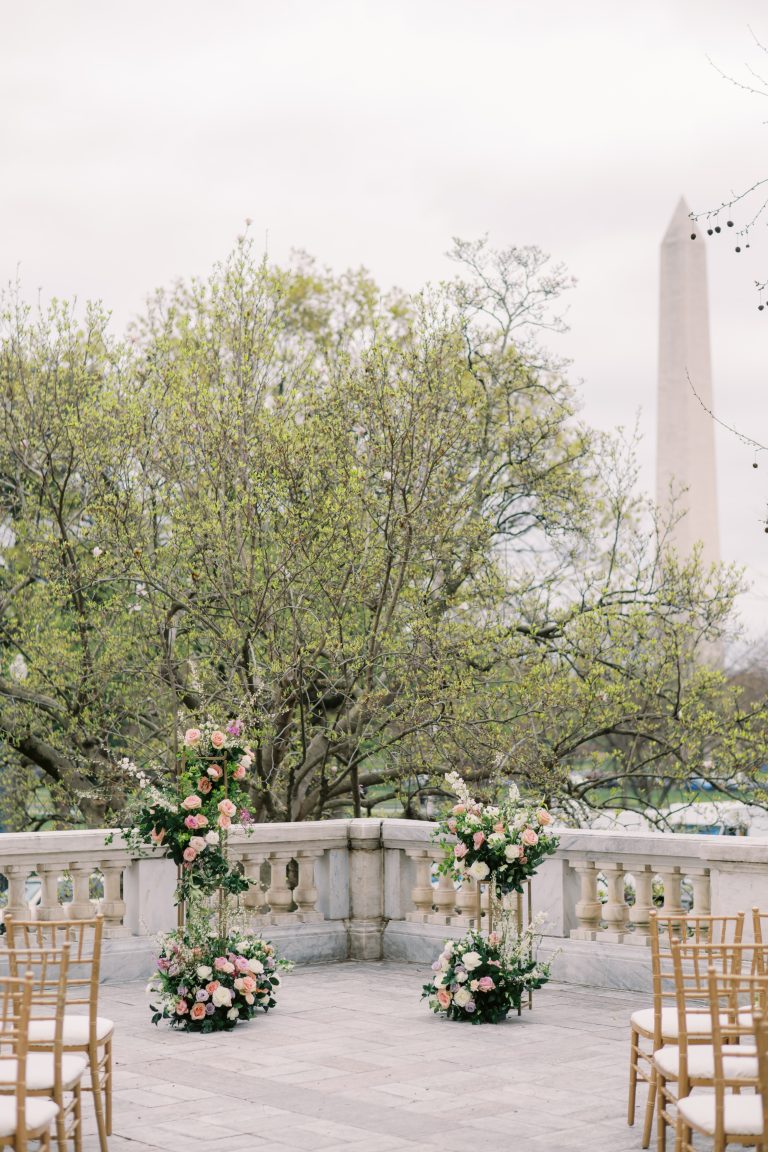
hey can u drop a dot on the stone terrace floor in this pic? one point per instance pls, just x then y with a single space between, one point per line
352 1060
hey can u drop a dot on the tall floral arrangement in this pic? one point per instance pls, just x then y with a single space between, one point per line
192 814
505 842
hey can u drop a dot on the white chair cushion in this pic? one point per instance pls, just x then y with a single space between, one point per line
701 1062
38 1115
743 1115
40 1077
699 1023
75 1030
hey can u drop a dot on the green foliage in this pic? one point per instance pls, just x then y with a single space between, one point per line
372 527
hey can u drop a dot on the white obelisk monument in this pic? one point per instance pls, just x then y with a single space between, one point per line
685 441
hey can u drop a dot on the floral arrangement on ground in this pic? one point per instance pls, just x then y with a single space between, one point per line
507 841
482 978
210 984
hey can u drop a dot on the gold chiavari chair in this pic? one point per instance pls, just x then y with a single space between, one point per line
690 1062
53 1074
22 1119
760 926
84 1031
727 1114
657 1025
760 1027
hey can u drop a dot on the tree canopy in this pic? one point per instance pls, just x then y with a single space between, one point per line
372 526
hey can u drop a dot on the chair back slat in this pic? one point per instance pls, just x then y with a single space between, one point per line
665 931
82 940
15 1000
733 1000
760 1032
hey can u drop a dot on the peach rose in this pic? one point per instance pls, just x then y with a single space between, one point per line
156 836
190 855
204 785
529 837
543 816
227 808
212 986
239 773
478 840
458 810
444 998
452 825
202 820
197 1012
218 739
191 802
192 737
215 772
498 827
224 822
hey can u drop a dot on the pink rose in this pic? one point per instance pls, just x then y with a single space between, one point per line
215 772
239 773
227 808
157 836
444 998
458 810
498 827
478 839
198 843
190 821
486 984
218 739
181 1007
190 855
242 964
452 825
191 802
460 851
204 785
202 820
197 1012
543 816
212 986
247 983
224 822
529 837
192 737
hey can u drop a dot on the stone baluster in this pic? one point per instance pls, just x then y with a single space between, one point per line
444 900
305 893
279 895
588 909
616 909
49 907
112 905
466 899
422 892
254 898
640 912
671 879
701 891
16 903
80 906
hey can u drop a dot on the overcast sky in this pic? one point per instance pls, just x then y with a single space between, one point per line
135 138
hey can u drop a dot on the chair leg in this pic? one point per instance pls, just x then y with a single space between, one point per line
77 1112
661 1121
649 1107
61 1128
108 1085
634 1042
98 1099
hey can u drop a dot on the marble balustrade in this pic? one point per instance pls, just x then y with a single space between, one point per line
367 889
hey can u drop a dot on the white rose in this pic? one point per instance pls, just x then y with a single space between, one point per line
461 977
204 972
448 948
474 985
256 967
496 838
233 1012
438 981
479 870
471 960
222 997
462 997
512 852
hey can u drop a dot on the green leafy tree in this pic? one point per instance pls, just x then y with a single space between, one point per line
372 527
